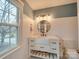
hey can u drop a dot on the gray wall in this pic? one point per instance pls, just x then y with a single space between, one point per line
60 11
27 10
63 23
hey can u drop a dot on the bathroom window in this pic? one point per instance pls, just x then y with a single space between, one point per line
8 25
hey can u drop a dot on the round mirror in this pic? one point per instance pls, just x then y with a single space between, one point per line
43 26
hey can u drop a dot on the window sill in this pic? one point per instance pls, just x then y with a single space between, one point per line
8 51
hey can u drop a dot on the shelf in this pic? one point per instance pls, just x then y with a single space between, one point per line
46 50
40 56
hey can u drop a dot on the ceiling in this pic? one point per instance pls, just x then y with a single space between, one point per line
40 4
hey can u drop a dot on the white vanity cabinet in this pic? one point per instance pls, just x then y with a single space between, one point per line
44 48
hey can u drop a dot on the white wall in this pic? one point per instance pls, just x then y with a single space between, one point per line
78 20
66 28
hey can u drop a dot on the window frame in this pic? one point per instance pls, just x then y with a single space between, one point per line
13 25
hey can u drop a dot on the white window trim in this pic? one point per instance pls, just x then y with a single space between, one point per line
20 5
10 51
